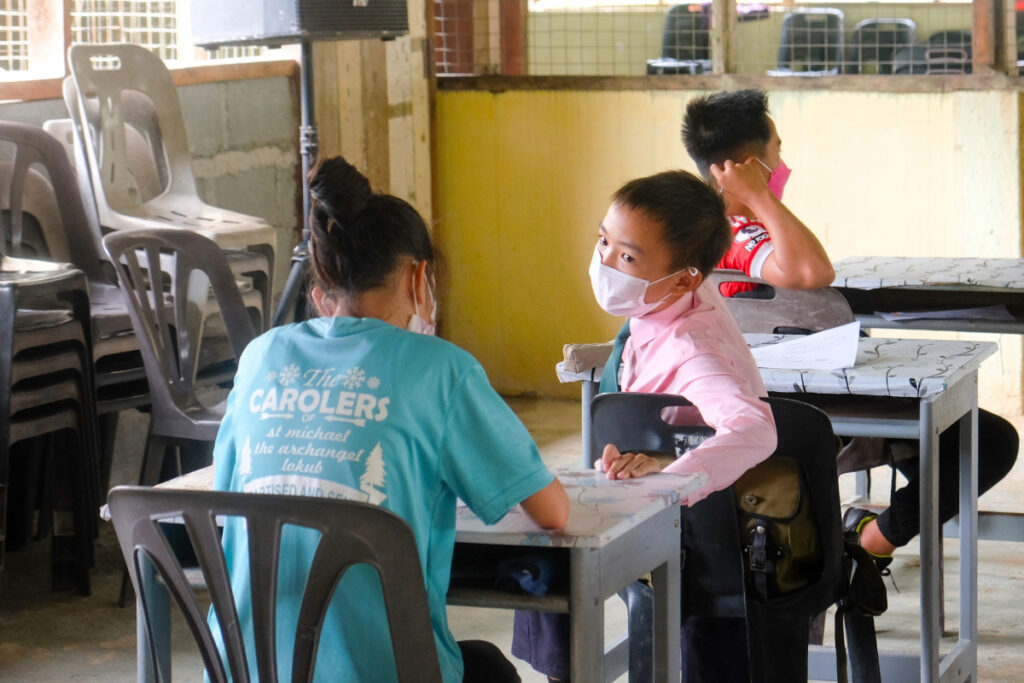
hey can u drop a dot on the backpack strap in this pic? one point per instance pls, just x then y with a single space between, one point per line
610 375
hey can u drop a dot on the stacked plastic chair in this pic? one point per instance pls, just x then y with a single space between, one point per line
46 388
121 93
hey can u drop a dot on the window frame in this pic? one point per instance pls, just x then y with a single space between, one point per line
49 47
994 65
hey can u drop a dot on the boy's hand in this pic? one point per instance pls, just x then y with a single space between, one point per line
747 181
618 465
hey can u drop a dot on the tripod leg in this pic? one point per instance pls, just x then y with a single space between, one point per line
293 295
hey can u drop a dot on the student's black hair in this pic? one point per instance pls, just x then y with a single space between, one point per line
691 213
725 126
358 236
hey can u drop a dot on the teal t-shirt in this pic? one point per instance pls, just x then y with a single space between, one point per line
361 410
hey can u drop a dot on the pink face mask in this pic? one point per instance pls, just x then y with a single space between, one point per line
777 179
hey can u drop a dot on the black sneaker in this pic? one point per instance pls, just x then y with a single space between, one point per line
854 520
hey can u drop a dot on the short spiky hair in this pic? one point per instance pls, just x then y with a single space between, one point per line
691 214
725 126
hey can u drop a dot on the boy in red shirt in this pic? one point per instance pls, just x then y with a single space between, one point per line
738 151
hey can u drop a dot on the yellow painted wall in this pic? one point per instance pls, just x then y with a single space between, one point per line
524 177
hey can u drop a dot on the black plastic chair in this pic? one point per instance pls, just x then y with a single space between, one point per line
811 43
946 52
351 533
685 48
46 387
41 174
713 572
874 43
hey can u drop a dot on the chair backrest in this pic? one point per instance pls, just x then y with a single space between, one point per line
774 309
812 40
875 41
39 185
686 33
147 161
713 580
116 86
166 275
351 533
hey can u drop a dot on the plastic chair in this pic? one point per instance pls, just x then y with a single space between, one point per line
716 570
949 52
811 43
351 533
167 276
874 43
122 87
945 52
46 387
684 45
31 185
775 310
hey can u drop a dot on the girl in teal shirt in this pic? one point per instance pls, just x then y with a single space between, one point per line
364 403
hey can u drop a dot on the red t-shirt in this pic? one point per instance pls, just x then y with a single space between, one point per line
751 245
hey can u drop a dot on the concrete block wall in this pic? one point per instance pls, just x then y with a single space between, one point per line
243 135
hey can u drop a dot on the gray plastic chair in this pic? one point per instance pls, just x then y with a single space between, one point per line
167 277
351 533
716 573
117 88
778 310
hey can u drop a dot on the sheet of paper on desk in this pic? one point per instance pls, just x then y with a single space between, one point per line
826 350
998 312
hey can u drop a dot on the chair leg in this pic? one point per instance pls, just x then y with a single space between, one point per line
108 434
153 460
639 599
863 649
817 634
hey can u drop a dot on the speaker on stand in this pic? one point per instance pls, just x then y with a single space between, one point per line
217 23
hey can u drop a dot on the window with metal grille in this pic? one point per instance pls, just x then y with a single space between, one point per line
13 35
645 37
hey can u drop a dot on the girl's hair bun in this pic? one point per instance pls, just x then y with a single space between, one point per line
339 188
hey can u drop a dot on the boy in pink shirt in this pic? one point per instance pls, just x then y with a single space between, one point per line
659 239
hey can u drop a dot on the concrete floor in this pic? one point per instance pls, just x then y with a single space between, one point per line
49 636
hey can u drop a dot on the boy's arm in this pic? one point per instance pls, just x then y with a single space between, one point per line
549 507
797 261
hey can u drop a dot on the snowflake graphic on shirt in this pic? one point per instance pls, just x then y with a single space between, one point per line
271 376
353 377
373 383
288 375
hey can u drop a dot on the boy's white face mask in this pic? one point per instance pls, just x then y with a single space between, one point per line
621 294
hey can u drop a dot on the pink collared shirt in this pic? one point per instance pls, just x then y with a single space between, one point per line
694 349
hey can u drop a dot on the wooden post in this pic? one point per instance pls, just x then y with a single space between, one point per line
723 30
49 34
513 37
984 35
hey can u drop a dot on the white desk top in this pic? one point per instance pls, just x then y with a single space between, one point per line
914 368
600 510
873 272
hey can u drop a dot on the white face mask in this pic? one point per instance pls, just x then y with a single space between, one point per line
621 294
419 325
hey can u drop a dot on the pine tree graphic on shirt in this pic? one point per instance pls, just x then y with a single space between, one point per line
374 476
245 466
